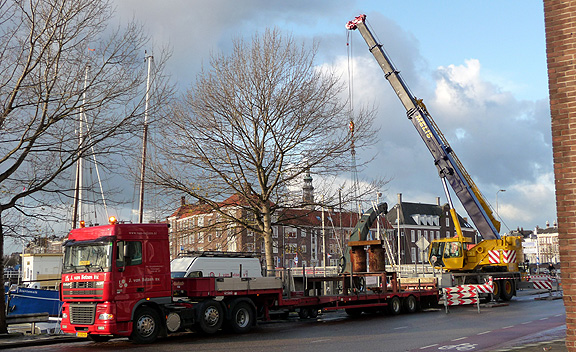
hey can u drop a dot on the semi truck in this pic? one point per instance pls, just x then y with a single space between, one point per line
466 262
116 282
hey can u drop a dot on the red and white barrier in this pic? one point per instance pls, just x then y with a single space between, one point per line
461 295
541 282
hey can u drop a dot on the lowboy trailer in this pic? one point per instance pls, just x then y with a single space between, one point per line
116 282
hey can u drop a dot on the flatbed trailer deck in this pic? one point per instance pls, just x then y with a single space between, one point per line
268 295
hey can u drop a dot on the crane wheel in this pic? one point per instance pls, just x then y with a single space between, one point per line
506 289
496 292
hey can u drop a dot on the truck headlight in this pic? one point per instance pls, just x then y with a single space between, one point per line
106 316
64 315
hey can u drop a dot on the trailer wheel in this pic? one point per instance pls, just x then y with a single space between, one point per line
394 305
304 313
146 325
211 317
506 289
410 304
313 312
242 318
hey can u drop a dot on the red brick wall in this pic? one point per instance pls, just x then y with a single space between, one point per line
560 21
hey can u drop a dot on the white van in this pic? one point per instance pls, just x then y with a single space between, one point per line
216 265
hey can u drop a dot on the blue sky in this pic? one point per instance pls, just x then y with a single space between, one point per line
479 65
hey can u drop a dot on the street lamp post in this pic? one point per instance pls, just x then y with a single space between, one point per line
500 190
378 195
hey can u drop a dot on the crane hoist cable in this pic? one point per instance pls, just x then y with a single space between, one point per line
355 181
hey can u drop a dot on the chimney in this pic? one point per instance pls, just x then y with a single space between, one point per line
182 201
438 201
399 198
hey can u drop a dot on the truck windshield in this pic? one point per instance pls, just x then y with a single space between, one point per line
87 257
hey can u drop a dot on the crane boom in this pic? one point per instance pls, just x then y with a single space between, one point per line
450 169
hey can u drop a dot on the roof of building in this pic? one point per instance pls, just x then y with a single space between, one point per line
547 231
409 210
289 216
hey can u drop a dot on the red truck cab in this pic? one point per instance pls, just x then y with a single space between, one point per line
111 275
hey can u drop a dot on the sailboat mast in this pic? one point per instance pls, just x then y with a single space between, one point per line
144 142
79 163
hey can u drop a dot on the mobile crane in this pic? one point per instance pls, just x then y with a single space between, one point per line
495 255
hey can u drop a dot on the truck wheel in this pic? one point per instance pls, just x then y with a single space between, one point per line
146 326
242 318
506 289
303 313
394 306
211 317
410 304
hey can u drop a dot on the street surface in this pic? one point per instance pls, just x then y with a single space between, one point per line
463 329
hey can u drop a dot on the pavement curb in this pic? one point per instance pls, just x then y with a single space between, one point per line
28 340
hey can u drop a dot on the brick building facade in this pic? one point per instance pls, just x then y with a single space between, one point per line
298 234
560 22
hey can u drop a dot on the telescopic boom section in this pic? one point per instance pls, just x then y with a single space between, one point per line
448 165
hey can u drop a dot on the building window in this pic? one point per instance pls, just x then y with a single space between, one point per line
290 232
249 233
200 237
303 234
447 234
292 248
275 232
413 254
332 248
303 249
419 234
250 247
200 221
413 235
437 235
447 221
426 234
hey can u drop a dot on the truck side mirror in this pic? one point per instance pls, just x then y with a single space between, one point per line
121 254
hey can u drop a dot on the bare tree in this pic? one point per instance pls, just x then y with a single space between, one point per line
61 64
253 124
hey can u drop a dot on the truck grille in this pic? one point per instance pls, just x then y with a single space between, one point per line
82 290
82 313
83 284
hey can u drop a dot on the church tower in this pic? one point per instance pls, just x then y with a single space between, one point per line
308 191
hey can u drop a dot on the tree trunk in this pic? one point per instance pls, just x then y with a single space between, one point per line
267 234
3 325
